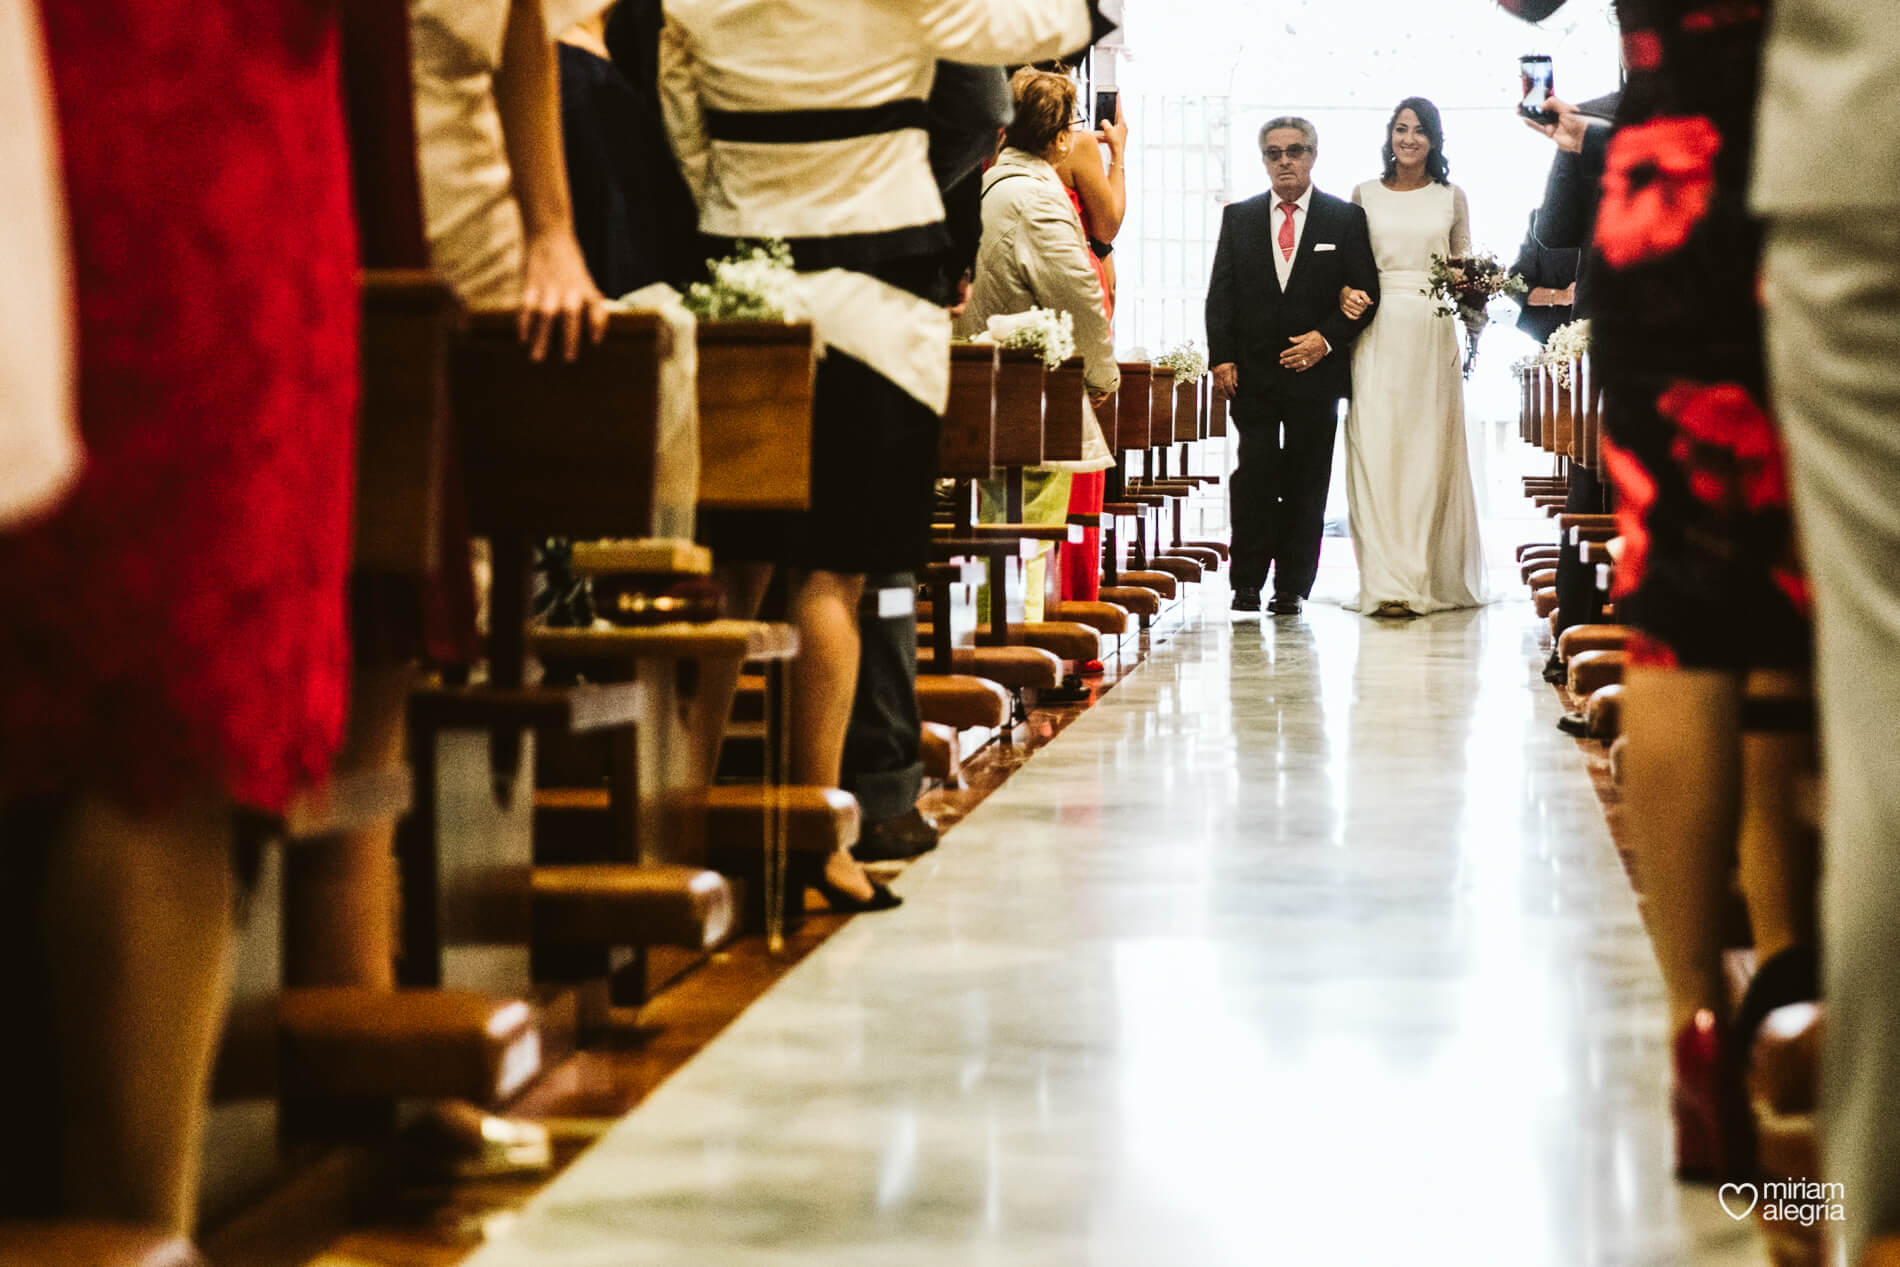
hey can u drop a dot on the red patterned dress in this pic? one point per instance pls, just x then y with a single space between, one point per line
1709 573
179 621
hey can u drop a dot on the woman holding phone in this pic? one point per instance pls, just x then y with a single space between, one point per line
1100 194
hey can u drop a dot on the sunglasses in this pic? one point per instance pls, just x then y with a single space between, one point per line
1274 153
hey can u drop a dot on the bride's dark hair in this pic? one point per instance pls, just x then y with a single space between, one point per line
1434 127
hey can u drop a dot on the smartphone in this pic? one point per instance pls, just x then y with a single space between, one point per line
1539 83
1107 101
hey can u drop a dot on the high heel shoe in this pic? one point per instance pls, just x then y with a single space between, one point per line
840 902
1693 1099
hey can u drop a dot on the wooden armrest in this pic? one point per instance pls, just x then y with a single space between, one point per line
577 710
1068 639
1138 599
1162 583
820 820
93 1244
618 904
1183 570
655 556
1021 532
352 1042
712 640
944 549
1102 617
1019 668
1592 670
962 701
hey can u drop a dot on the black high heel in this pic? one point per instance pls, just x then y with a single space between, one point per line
840 902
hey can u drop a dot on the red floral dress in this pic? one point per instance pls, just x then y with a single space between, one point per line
179 621
1709 573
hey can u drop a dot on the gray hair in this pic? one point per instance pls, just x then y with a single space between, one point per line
1300 125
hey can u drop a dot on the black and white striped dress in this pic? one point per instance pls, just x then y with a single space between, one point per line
805 120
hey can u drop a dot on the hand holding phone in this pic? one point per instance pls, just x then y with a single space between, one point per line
1108 121
1538 79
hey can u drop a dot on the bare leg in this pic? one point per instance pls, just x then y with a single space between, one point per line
340 894
1682 784
1779 856
138 928
824 606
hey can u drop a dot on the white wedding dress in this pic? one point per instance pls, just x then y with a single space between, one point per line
1413 511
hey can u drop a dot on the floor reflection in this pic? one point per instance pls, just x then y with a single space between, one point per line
1307 946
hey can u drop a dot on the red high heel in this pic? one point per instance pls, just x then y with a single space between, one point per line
1695 1099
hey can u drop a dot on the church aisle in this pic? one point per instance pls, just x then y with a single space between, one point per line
1307 945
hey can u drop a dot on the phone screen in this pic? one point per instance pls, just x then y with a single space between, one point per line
1106 101
1539 83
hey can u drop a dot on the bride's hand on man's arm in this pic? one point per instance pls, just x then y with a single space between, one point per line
1353 302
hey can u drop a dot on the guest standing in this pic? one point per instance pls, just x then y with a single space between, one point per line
808 122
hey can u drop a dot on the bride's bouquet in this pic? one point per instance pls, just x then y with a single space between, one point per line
756 283
1187 361
1464 286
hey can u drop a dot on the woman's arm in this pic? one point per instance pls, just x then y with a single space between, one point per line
1104 195
556 289
1460 223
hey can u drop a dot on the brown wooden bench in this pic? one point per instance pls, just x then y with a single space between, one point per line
93 1244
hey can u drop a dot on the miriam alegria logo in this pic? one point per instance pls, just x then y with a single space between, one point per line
1802 1201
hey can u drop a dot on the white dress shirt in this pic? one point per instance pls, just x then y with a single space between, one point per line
1282 264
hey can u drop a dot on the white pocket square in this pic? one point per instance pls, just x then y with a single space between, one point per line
1324 246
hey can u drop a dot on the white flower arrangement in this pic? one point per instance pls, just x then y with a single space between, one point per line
1188 362
1566 345
1044 331
755 283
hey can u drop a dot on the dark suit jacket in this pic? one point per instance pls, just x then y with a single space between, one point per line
1567 220
1250 321
1548 267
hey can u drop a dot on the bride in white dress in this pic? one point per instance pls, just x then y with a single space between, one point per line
1413 511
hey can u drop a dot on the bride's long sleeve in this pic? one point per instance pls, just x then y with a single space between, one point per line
1460 223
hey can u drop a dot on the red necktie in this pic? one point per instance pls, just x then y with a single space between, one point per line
1286 230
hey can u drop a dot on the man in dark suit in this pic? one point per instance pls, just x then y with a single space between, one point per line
1551 275
1282 353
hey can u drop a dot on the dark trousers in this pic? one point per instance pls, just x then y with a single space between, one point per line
883 764
1278 493
1578 602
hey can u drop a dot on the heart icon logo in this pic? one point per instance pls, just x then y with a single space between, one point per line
1738 1189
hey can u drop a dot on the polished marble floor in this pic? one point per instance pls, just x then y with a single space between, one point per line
1307 946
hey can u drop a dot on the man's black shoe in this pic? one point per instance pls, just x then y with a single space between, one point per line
1246 602
896 839
1285 605
1555 671
1574 725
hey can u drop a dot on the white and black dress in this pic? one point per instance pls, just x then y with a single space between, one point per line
805 120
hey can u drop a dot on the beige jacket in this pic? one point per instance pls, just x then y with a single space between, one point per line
1034 255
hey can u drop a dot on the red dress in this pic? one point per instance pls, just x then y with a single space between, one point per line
179 621
1082 564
